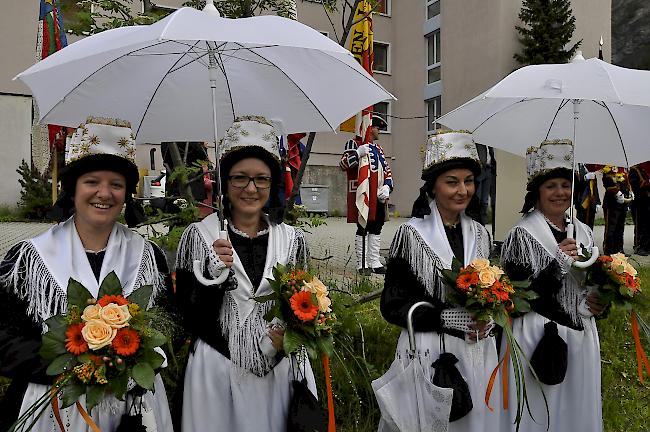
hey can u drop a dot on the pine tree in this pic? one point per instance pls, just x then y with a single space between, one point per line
36 193
547 31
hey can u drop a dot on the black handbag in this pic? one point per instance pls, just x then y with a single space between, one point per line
549 360
447 375
305 412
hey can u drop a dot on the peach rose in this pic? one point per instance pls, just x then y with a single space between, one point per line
630 270
115 316
98 334
324 303
480 264
91 312
316 286
496 271
486 278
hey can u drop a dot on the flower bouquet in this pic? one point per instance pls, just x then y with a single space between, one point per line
97 347
618 284
302 303
488 294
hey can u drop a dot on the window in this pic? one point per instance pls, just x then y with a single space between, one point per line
383 109
383 7
433 57
381 57
434 110
433 8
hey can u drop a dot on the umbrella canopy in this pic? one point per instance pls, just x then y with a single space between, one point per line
604 108
158 77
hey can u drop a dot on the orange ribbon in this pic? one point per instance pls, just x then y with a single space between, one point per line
55 408
331 422
86 417
503 364
641 358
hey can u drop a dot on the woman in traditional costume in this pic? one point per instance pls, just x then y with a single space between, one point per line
99 178
439 231
237 378
538 248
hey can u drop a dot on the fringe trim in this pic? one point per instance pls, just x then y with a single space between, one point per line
31 280
191 247
299 252
409 245
521 248
148 273
244 338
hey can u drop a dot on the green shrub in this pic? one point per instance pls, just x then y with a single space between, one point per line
36 193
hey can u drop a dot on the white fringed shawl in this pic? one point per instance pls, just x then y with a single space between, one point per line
45 263
423 243
531 243
241 318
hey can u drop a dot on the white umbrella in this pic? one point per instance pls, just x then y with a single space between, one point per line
159 77
604 108
408 401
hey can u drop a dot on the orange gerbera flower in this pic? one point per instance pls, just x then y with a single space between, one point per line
126 342
303 307
464 281
117 299
605 258
75 342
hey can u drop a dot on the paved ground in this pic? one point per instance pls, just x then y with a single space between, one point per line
332 245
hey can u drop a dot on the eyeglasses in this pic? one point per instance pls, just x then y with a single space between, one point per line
242 181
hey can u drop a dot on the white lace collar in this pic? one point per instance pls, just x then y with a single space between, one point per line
237 231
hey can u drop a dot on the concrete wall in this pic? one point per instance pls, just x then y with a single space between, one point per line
15 124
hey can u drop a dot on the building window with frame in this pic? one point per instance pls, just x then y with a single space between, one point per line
434 110
383 7
382 109
433 8
382 57
433 57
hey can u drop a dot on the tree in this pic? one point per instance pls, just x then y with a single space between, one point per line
549 27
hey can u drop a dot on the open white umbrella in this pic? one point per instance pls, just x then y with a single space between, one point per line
603 107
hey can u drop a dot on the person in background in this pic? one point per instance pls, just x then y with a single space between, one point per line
537 248
617 198
438 232
486 183
586 197
380 187
237 377
98 181
640 183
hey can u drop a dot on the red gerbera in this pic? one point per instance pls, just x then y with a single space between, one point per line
118 299
464 281
126 342
75 342
303 307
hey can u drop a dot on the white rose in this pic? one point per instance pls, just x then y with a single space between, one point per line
98 334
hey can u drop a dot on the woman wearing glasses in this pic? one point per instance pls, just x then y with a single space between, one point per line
237 377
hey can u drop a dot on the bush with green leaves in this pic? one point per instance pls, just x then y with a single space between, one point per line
35 195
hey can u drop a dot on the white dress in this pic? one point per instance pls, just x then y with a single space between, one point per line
222 394
575 404
423 246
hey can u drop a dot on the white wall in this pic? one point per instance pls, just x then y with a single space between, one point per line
15 142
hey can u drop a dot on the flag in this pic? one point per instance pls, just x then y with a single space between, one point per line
52 39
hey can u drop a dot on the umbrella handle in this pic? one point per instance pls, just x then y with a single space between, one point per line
409 323
594 250
198 271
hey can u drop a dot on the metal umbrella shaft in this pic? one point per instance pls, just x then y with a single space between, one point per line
413 348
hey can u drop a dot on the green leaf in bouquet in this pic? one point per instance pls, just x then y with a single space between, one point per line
274 312
60 364
94 395
520 283
500 318
111 285
78 295
71 393
156 339
527 295
312 348
143 374
141 296
119 385
326 345
265 298
152 357
521 305
292 341
56 324
52 346
456 265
